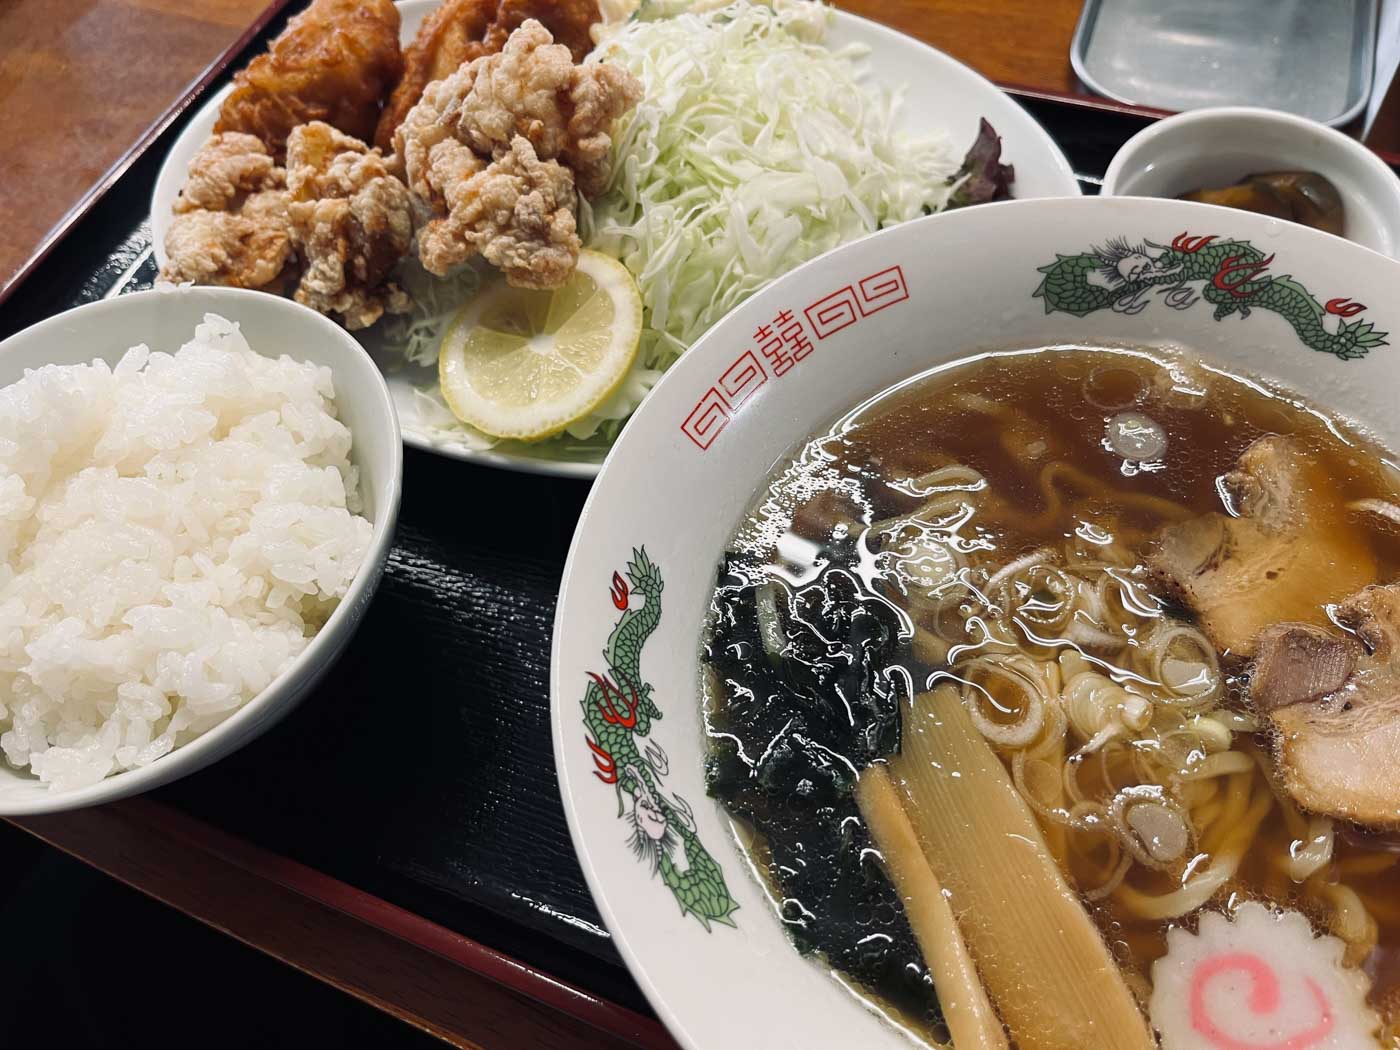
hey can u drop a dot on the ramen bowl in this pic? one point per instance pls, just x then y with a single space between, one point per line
697 927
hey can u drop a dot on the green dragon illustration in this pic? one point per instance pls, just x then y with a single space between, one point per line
618 710
1232 276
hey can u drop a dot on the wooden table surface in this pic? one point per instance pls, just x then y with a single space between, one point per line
1017 43
80 81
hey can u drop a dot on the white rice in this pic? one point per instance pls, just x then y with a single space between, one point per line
174 531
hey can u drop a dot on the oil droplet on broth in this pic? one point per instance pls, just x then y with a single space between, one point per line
1112 388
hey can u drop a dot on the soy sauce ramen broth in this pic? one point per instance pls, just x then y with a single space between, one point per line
991 523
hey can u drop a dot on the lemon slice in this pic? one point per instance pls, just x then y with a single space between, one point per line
524 364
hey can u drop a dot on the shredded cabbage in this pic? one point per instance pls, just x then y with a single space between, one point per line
754 148
418 334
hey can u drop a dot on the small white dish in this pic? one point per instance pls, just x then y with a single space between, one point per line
938 93
165 319
1217 147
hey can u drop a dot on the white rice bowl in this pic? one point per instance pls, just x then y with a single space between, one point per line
174 529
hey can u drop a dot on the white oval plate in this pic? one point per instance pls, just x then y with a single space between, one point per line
938 91
877 312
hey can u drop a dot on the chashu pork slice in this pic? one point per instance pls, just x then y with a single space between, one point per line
1282 555
1333 701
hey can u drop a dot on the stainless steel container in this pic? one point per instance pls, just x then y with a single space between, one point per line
1310 57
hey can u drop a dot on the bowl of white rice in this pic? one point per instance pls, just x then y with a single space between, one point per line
198 490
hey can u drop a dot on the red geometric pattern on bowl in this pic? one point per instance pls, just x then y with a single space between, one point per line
784 342
742 379
846 306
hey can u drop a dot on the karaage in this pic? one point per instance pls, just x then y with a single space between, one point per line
533 88
490 154
328 229
231 225
517 212
334 62
462 31
351 223
226 169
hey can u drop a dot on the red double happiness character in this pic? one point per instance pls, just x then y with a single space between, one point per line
770 345
793 335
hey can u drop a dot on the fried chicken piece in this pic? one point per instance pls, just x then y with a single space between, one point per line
245 249
496 153
518 213
533 88
231 224
226 169
448 37
597 101
334 62
432 156
351 223
329 228
462 31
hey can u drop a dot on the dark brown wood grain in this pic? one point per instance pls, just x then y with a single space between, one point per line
431 977
81 81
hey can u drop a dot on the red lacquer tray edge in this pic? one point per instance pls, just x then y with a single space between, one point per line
126 840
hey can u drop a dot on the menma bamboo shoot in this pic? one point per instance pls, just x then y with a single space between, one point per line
971 1021
1042 960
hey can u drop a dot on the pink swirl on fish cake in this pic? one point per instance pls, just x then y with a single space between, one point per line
1263 999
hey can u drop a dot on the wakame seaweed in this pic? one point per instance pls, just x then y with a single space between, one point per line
791 731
